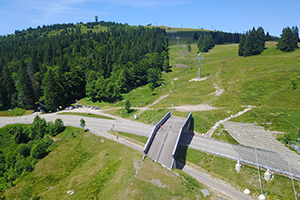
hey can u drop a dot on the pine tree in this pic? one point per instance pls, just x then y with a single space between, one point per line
288 41
24 88
295 31
51 90
8 89
242 45
252 43
195 36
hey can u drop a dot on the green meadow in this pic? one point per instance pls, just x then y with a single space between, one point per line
82 165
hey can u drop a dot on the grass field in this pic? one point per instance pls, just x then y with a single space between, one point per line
15 112
85 166
268 81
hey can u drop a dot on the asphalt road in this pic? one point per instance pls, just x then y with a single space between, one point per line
95 124
164 141
100 127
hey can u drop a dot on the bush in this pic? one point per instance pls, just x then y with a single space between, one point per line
21 134
39 150
50 128
55 128
10 159
38 128
58 126
23 150
23 164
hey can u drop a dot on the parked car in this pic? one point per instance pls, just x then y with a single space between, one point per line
87 106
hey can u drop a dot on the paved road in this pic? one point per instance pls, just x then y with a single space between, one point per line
95 124
100 127
164 141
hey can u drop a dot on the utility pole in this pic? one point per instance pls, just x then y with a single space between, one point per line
177 38
199 64
183 49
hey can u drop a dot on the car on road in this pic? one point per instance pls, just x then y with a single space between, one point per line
95 108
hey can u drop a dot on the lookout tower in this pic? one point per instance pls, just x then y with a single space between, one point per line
96 18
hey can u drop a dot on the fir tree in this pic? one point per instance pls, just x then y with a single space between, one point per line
288 41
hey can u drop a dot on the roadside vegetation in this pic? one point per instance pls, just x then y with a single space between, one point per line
22 146
138 139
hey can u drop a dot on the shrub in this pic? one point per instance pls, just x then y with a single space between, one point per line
58 126
38 128
23 150
21 134
39 150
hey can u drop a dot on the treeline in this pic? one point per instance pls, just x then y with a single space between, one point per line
252 42
220 37
45 29
59 68
22 146
207 40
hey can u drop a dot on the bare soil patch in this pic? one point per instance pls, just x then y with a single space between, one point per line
194 108
198 79
181 66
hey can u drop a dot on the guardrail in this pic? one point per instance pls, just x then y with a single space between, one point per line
185 126
154 131
250 162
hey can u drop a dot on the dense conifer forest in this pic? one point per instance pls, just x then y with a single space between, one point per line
60 63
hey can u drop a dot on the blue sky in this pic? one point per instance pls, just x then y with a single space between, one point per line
228 16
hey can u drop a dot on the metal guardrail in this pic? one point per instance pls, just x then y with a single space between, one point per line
182 129
154 131
265 166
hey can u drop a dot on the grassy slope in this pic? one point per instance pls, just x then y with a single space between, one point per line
97 168
269 81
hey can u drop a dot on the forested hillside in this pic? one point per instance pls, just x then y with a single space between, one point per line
61 63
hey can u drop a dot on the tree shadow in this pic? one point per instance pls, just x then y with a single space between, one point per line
130 111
